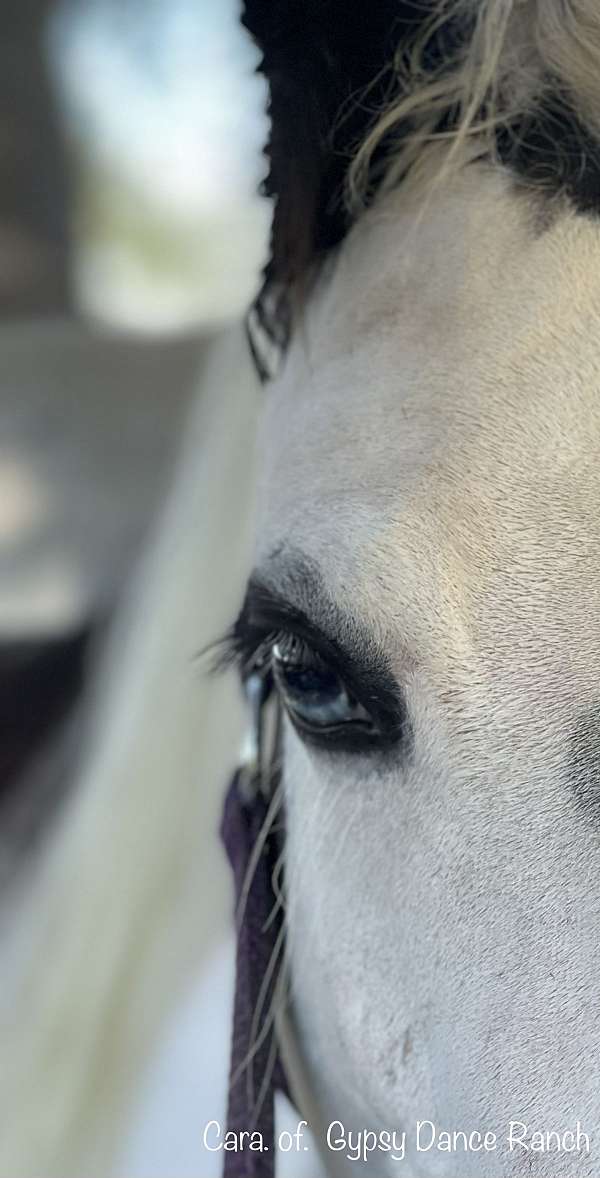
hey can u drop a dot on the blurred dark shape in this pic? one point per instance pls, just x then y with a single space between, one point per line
34 172
39 680
97 421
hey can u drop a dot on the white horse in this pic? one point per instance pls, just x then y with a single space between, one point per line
427 571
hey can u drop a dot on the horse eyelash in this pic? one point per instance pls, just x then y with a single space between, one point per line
242 649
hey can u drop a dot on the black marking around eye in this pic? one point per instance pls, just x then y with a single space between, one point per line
584 761
333 633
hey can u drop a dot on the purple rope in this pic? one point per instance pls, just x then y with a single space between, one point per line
242 825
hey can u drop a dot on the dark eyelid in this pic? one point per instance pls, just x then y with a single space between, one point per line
364 671
266 612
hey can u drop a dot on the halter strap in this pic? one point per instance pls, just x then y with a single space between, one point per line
254 848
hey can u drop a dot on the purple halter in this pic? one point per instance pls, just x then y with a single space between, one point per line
255 1071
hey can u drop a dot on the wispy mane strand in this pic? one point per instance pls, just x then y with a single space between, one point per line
519 59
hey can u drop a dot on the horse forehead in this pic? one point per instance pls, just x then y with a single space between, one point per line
451 357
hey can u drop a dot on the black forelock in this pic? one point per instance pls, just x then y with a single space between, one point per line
330 69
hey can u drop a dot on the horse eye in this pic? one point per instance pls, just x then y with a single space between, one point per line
316 698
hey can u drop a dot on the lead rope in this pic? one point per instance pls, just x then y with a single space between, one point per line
255 1070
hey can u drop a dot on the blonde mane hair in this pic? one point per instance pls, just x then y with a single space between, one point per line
515 55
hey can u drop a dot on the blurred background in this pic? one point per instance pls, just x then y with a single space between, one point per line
131 242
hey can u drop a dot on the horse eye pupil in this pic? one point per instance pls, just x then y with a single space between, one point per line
311 682
324 703
314 694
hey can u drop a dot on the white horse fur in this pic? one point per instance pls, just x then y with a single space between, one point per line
430 455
